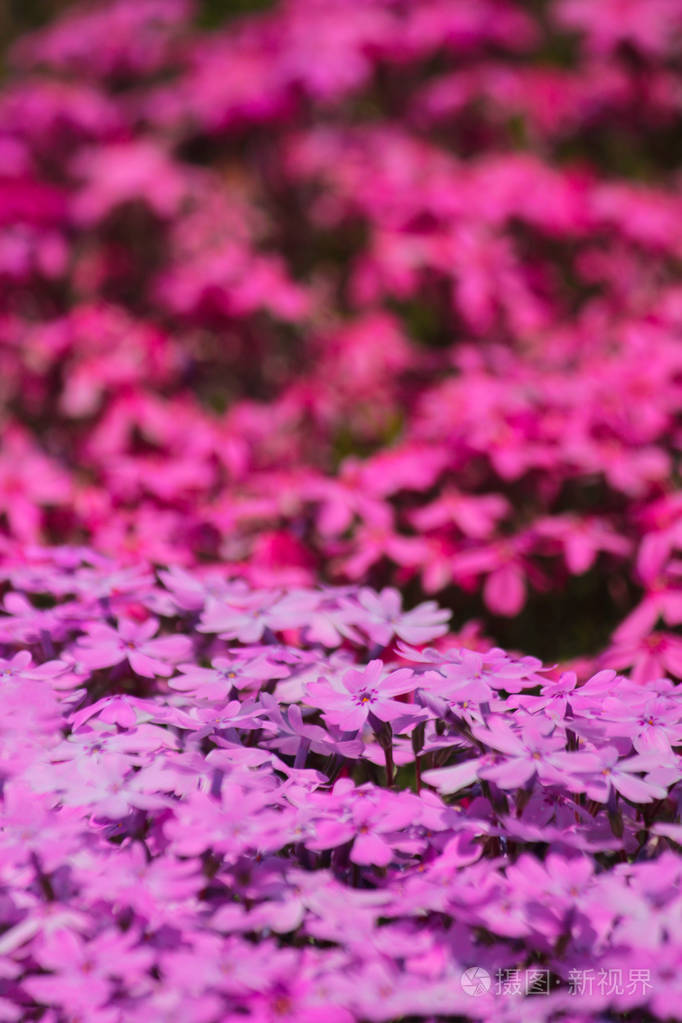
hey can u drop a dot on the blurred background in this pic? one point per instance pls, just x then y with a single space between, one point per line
18 16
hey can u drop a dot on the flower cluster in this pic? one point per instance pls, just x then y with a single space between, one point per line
319 329
218 806
381 293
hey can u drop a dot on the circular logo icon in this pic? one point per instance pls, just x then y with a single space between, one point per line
475 981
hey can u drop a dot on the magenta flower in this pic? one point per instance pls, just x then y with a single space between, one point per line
581 540
653 722
126 171
532 752
649 656
104 647
475 516
506 567
121 710
82 971
493 669
349 701
368 826
216 682
246 621
21 666
383 618
302 318
613 772
296 736
26 623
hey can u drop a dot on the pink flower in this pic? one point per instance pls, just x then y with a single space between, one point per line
82 971
121 710
126 171
104 646
369 826
506 566
246 621
532 752
295 735
349 701
650 656
474 515
621 775
216 682
22 666
384 618
582 539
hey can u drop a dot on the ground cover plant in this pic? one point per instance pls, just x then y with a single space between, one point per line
340 513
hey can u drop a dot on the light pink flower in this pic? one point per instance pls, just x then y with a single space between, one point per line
349 701
104 646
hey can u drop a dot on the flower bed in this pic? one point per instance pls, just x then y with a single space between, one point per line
217 805
340 390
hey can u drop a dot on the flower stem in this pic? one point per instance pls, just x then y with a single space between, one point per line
388 754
